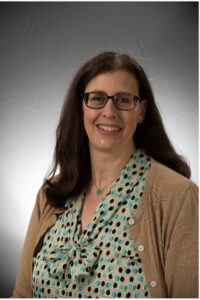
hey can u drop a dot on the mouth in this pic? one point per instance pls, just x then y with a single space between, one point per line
108 130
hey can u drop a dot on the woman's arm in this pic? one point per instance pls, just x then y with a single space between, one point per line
23 287
181 260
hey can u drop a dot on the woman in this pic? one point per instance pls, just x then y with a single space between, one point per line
120 218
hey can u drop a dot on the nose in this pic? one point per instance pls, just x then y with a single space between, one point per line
109 110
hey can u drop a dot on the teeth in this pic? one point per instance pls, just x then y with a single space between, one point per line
108 128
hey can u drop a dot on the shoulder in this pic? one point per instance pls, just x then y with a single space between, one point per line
42 205
168 191
167 181
171 199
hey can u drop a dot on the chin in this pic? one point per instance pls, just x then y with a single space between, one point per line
105 146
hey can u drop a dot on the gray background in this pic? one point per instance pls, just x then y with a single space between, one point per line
42 45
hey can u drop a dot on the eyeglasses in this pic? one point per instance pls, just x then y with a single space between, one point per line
121 101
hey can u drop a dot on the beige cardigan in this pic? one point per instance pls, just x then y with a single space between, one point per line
165 231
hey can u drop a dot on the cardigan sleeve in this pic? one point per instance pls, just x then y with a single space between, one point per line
23 281
181 261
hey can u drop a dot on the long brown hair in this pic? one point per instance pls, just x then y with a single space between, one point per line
71 155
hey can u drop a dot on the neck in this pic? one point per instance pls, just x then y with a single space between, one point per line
107 166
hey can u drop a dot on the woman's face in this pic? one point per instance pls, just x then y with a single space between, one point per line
109 129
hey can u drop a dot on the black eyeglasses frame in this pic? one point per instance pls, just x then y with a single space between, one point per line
84 97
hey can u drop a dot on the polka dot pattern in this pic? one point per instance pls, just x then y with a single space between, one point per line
102 261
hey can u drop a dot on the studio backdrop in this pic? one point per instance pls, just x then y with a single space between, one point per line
42 45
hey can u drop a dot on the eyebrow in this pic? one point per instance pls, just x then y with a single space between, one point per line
103 92
97 91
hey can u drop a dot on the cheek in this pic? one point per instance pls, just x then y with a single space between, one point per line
131 121
88 118
85 122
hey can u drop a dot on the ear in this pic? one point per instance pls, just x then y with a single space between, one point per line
142 111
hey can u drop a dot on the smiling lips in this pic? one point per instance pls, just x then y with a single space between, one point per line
108 130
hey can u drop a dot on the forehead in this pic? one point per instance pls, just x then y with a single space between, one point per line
114 81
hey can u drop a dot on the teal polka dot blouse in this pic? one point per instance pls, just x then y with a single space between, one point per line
102 261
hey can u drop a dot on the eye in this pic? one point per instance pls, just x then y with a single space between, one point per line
123 98
97 97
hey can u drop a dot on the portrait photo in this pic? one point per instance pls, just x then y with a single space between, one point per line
99 149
